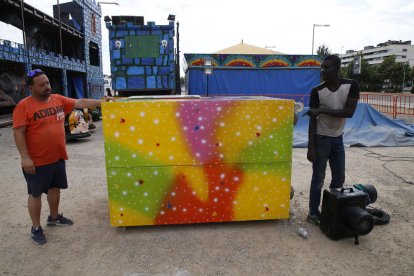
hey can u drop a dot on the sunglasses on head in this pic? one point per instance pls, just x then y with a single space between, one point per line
32 73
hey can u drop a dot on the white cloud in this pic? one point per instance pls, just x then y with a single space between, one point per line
208 26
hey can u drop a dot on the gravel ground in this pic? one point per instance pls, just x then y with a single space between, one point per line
92 247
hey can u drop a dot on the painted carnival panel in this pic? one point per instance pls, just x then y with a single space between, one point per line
179 161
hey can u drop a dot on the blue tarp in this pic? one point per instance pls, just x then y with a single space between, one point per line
367 128
75 87
253 81
78 87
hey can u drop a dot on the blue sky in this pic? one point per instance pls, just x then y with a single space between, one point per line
209 26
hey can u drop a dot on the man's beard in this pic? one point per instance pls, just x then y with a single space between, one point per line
44 94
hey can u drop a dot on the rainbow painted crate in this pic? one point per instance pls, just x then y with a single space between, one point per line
196 160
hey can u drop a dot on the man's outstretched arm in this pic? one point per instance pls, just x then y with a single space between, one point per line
91 103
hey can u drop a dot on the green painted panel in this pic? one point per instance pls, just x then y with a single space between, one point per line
142 46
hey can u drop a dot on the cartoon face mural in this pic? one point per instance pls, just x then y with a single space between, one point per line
164 43
192 161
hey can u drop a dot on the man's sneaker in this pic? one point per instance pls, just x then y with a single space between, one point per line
37 235
315 219
60 220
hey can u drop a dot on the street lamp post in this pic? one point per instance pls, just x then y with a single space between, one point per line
108 3
313 32
105 19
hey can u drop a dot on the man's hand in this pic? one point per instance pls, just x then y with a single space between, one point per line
313 112
28 165
109 99
91 103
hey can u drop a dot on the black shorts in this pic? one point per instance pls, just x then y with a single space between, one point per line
46 177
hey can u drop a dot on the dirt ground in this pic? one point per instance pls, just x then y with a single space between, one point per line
92 247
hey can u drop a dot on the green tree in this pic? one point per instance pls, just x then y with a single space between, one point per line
407 75
343 73
323 51
412 75
389 74
375 78
364 77
369 79
396 76
386 70
412 79
349 70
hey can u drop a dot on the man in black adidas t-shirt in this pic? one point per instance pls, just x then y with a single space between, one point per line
331 103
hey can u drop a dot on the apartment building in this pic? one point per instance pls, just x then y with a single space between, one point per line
402 50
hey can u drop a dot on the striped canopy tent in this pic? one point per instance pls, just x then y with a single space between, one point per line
244 69
247 49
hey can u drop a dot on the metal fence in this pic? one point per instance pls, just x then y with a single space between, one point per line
384 103
391 104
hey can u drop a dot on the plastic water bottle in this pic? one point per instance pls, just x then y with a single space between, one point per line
303 232
292 213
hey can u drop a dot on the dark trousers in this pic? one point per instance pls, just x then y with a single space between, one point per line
326 149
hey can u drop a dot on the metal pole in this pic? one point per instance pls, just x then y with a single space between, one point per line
313 36
207 84
313 32
23 26
177 71
60 29
25 48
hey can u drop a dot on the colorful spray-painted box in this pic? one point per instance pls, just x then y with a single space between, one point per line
179 161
